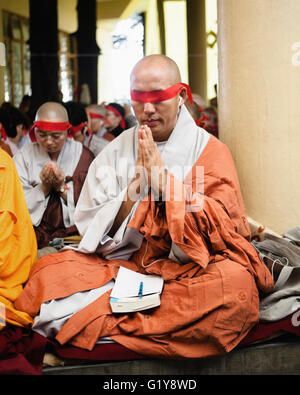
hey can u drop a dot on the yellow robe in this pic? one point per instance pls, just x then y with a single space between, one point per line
18 247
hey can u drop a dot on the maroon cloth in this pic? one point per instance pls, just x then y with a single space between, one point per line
21 351
52 224
263 331
101 352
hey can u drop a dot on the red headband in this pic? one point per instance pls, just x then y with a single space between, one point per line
95 115
77 128
3 133
99 116
115 111
49 127
157 96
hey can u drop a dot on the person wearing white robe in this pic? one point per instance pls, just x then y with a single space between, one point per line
30 161
54 150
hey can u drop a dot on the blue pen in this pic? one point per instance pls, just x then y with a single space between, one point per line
141 289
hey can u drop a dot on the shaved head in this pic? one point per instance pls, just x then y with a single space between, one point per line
97 108
157 73
155 67
52 112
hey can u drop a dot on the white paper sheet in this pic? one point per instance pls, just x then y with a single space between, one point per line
128 284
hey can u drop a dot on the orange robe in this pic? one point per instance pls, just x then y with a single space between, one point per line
18 248
208 305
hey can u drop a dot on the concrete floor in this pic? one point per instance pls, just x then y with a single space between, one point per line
278 357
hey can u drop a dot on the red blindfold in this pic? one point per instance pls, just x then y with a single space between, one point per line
158 96
48 127
99 116
115 111
77 128
95 115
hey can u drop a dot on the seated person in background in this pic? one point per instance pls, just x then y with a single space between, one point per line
116 121
3 135
197 113
80 132
163 198
130 119
214 101
211 122
18 249
24 107
16 126
97 121
52 170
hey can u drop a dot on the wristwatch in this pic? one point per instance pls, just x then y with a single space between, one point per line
63 188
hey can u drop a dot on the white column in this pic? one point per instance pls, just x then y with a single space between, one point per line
259 104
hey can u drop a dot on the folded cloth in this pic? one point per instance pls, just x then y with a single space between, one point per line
293 235
21 351
262 332
285 298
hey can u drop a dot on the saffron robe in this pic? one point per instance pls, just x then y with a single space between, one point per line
199 244
5 147
18 249
52 216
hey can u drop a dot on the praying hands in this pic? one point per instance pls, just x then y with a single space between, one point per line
52 178
149 164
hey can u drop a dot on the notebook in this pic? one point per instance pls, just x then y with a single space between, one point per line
134 291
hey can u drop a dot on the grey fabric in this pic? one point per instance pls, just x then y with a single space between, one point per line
293 235
285 299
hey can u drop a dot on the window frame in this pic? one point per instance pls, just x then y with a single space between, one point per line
71 55
9 53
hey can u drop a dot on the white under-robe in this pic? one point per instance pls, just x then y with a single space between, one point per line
95 143
30 161
55 313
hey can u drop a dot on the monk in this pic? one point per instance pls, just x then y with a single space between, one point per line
163 198
116 119
52 170
18 248
98 122
80 131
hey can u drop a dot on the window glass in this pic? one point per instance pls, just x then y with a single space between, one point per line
16 28
18 93
25 30
17 73
5 24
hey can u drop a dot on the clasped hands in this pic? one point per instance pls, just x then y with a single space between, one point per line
149 166
52 178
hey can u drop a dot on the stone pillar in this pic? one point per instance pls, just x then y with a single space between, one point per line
87 47
43 48
197 47
259 110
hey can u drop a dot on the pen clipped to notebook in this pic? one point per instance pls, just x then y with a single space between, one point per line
135 291
140 294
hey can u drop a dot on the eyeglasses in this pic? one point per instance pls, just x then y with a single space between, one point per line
56 136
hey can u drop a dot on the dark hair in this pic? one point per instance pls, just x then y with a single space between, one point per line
76 112
11 117
118 107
